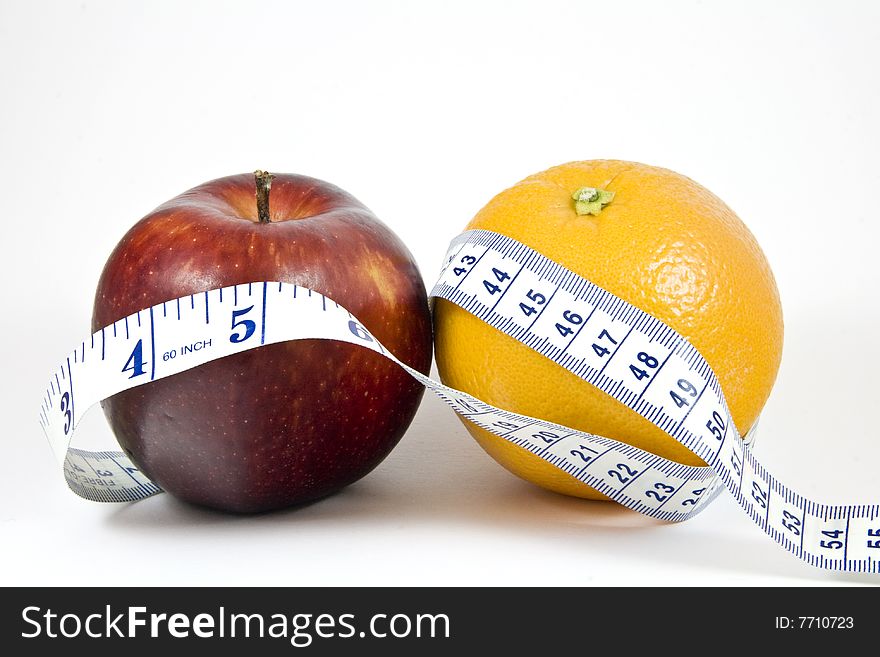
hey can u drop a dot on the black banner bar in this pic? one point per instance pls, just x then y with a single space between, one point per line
432 621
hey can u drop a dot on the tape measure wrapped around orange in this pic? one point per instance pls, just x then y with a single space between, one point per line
656 239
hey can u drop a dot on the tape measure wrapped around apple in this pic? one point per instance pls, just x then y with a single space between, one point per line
348 393
288 423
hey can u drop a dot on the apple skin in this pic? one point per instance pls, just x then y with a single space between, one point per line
287 423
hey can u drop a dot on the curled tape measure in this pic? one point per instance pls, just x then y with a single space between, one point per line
827 536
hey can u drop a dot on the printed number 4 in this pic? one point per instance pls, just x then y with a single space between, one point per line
135 362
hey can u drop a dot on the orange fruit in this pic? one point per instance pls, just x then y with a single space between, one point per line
664 244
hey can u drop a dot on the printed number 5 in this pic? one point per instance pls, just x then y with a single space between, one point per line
249 325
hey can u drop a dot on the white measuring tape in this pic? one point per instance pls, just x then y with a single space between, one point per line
678 391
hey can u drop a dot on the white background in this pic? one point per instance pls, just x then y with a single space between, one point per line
424 111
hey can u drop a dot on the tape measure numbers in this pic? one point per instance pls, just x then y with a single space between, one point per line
678 391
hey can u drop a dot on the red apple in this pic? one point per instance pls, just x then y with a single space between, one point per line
285 423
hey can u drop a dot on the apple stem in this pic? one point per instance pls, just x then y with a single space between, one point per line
264 184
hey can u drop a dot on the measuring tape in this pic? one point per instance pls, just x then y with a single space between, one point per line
681 394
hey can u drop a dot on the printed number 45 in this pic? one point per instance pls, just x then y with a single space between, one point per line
537 299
